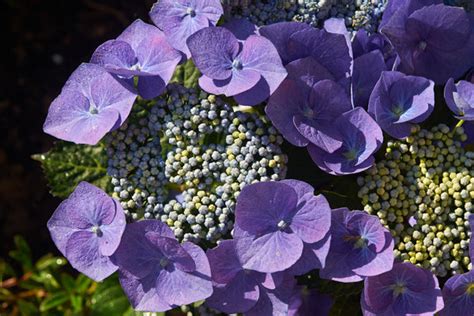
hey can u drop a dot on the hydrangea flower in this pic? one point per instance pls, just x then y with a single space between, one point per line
363 43
273 222
360 247
360 136
91 104
87 228
405 290
398 101
238 290
143 51
250 72
460 98
458 294
435 48
179 19
305 114
156 272
367 70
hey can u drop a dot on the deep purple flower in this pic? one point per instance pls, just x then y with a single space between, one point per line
458 294
460 99
241 28
157 273
250 71
273 222
91 104
435 41
398 101
405 290
143 51
179 19
305 114
360 136
238 290
310 302
363 43
87 228
360 247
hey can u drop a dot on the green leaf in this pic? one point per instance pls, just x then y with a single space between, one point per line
82 283
6 270
50 262
27 308
68 283
109 299
76 303
186 74
53 301
68 164
22 253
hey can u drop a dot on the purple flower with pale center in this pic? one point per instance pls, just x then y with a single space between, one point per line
179 19
305 114
143 51
399 101
360 136
360 247
460 98
310 302
91 104
434 41
405 290
87 228
458 294
250 71
156 272
239 290
274 221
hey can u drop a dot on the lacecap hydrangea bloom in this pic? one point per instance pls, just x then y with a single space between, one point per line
460 98
158 273
91 104
87 229
404 290
249 71
431 39
142 51
179 19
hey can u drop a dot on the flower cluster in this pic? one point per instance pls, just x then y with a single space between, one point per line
356 14
423 192
184 157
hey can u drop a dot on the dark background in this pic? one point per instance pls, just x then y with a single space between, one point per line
42 42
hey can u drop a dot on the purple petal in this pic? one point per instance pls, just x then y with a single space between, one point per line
367 70
180 288
237 296
313 219
308 70
283 105
241 28
460 98
112 232
82 251
456 299
313 257
274 302
224 262
280 35
213 50
301 188
262 205
142 293
116 57
173 251
269 253
150 87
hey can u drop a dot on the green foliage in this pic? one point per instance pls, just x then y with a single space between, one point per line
186 74
41 287
67 164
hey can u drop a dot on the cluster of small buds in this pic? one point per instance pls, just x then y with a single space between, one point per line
423 192
358 14
184 157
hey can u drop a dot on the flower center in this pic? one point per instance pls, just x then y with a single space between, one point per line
308 112
237 64
397 110
282 225
93 109
191 12
350 154
164 262
470 289
398 289
96 230
422 45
